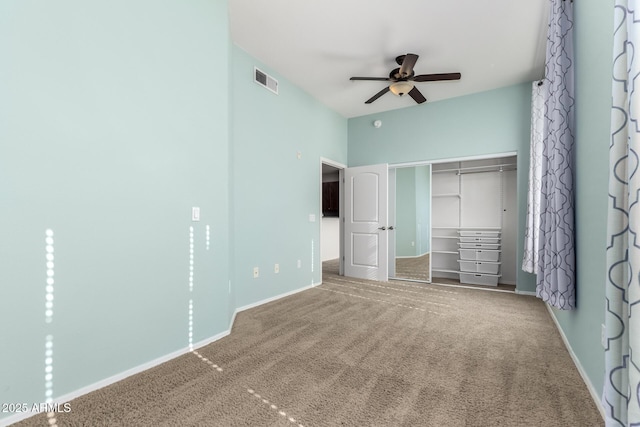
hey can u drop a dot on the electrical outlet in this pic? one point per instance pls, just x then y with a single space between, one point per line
256 272
276 268
603 336
299 264
413 244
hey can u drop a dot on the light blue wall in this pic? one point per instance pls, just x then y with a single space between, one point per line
491 122
274 191
593 58
113 124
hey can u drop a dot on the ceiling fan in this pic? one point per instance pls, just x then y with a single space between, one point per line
402 79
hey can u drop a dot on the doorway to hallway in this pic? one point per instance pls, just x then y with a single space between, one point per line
331 213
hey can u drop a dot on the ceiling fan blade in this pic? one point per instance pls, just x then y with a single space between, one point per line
407 64
436 77
417 95
377 79
377 95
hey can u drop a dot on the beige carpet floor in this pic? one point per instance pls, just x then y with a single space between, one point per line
361 353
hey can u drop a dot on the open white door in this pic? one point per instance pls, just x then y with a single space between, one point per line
365 225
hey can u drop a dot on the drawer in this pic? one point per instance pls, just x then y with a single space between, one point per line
479 239
492 256
469 245
468 266
478 279
488 267
479 267
479 255
471 233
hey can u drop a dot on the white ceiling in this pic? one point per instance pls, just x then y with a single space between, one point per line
319 44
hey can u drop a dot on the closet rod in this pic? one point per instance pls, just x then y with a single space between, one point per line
476 169
498 170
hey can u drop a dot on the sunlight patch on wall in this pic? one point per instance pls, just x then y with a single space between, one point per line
48 318
191 261
48 378
191 325
48 313
191 258
312 256
48 368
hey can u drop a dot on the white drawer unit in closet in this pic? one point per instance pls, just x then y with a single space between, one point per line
479 256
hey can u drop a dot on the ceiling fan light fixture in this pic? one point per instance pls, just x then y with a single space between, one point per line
401 88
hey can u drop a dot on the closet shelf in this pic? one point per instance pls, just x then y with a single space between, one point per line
446 195
479 228
443 270
469 228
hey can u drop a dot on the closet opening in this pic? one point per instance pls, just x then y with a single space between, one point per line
459 222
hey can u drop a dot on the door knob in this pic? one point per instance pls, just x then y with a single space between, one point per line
391 227
382 228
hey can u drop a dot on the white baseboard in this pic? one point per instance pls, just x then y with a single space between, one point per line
576 361
532 293
148 365
270 299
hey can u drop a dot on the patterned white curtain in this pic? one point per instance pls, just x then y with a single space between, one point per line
532 235
556 253
621 397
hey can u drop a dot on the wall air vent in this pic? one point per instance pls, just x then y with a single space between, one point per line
263 79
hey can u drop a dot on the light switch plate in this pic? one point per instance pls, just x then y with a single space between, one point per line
195 213
276 268
256 272
312 217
